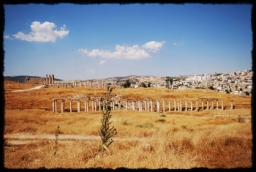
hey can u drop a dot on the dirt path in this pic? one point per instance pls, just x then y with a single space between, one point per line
34 88
24 138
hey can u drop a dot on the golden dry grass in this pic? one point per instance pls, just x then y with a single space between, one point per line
177 140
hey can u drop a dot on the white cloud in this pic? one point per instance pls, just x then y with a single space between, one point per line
175 43
102 62
154 46
90 71
8 37
42 32
134 52
121 52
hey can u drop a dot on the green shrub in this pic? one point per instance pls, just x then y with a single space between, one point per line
145 125
106 132
184 126
163 115
125 122
161 120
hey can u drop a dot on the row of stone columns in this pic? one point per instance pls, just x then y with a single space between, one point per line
141 105
85 84
49 80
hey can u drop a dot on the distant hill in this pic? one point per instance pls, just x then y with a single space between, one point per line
21 78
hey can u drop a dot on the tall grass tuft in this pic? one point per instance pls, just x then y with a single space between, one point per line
106 132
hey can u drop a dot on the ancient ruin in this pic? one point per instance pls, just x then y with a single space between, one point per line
49 80
95 104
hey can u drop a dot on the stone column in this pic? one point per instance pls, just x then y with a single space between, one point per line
53 106
191 105
174 105
202 104
62 105
70 105
180 105
212 105
222 107
85 106
217 105
52 79
151 105
196 105
126 103
113 105
169 106
46 80
99 105
78 106
163 107
49 79
92 105
158 106
231 107
186 105
133 107
103 106
95 105
145 103
207 105
119 105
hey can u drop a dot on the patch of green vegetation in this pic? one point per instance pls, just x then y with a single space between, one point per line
145 125
161 120
184 126
163 115
125 122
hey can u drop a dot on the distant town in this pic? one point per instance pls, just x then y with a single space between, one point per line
238 83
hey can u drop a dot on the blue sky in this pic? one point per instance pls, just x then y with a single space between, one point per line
109 40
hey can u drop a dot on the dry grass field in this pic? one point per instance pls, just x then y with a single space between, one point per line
150 140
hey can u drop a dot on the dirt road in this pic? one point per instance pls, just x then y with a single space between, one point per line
25 138
34 88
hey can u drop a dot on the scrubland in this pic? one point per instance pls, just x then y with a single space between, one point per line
144 139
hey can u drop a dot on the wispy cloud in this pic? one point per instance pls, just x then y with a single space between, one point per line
90 71
175 43
42 32
134 52
102 62
8 37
